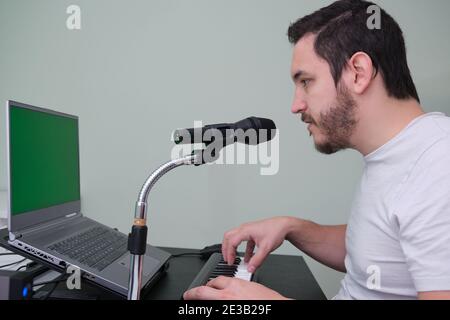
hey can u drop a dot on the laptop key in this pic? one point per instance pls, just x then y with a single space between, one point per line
97 247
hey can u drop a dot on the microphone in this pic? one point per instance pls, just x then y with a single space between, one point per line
251 131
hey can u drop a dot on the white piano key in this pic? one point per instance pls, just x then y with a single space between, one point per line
242 272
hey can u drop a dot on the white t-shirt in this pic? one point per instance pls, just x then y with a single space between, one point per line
398 235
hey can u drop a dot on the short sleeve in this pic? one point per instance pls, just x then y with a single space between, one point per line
423 216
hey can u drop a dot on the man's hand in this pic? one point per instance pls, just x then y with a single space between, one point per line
227 288
266 235
434 295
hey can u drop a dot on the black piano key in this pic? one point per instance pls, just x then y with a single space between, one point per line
215 267
225 268
218 273
225 275
236 261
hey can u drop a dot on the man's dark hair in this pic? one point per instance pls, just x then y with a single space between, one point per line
341 30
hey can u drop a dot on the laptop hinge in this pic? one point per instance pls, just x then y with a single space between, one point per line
14 236
48 224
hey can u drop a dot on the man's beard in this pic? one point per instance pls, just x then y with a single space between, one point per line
338 123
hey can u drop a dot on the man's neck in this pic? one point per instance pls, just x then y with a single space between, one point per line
382 121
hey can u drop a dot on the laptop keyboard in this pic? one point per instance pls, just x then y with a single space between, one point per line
97 247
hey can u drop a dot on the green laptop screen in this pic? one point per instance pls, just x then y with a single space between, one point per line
44 159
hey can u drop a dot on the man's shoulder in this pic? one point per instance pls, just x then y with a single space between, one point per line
430 137
433 125
435 158
438 149
428 182
440 122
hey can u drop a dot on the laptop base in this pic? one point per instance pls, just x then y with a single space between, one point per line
111 294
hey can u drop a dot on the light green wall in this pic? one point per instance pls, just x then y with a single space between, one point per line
139 69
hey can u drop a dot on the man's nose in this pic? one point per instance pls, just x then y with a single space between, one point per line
299 104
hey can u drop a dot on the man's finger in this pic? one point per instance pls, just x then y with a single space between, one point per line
256 261
249 250
232 246
220 282
231 253
202 293
232 240
225 247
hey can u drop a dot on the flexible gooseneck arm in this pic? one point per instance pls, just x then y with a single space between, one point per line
137 239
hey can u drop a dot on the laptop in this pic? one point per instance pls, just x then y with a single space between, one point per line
44 203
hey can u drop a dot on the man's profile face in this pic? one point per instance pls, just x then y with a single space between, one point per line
329 112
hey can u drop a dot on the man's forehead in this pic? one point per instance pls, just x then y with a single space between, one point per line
306 43
305 60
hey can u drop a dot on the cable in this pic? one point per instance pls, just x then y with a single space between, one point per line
204 253
185 254
27 266
48 282
9 254
11 264
20 268
55 282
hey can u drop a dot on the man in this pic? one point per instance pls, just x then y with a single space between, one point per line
354 90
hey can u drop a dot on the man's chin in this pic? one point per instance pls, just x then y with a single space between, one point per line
327 148
326 145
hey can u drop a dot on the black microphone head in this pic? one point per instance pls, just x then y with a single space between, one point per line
255 130
187 136
250 131
263 123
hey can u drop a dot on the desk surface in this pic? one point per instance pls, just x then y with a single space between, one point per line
286 274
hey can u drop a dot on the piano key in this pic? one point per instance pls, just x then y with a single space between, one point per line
216 266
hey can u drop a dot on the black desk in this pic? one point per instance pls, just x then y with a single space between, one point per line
286 274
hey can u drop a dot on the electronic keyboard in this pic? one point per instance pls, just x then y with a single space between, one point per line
216 266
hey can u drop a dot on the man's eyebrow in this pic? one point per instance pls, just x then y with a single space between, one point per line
300 73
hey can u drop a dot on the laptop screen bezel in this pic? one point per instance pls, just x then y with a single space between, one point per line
29 219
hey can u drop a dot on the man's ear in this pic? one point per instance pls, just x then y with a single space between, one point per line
360 72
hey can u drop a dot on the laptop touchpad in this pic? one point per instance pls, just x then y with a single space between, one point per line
150 264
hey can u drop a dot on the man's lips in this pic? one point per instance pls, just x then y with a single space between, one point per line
307 120
309 129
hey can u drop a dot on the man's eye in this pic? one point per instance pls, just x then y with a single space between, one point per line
304 82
